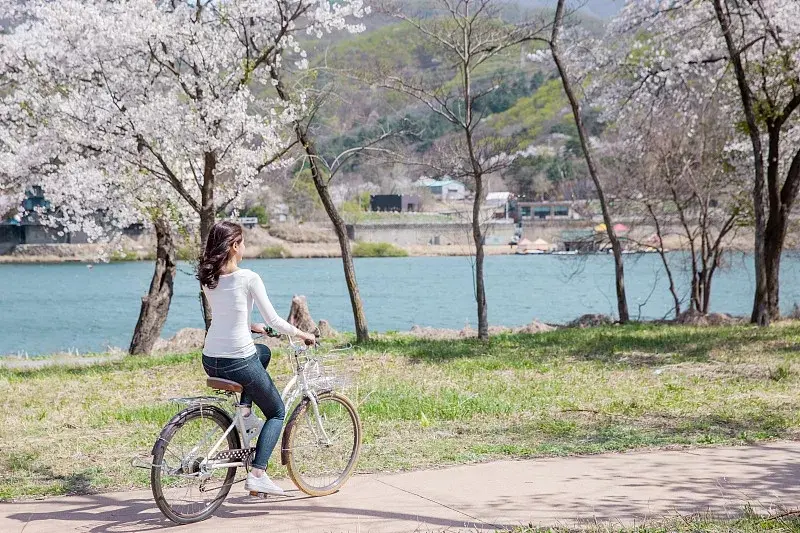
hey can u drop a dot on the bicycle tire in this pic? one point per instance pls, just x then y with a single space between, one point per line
331 404
214 415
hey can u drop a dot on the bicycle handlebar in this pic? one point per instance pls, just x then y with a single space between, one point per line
275 334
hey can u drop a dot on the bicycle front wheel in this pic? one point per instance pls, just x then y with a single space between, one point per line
322 452
185 487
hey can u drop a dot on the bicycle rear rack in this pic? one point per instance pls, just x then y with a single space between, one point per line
145 462
199 400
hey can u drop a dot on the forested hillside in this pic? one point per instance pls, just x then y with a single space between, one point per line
527 106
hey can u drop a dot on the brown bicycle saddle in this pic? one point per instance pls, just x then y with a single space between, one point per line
223 384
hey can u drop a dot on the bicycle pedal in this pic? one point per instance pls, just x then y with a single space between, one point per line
262 495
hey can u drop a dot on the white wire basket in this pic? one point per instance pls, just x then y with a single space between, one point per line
332 370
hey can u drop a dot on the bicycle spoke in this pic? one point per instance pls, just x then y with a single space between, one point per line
321 458
184 487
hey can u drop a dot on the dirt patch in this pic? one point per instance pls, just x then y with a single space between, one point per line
60 360
591 321
428 333
694 318
186 340
302 233
535 327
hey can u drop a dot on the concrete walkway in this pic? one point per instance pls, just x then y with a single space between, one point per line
620 488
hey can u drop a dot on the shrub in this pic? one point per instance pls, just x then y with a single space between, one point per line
277 251
123 255
378 249
187 253
259 212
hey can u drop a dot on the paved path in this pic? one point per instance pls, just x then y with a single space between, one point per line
622 488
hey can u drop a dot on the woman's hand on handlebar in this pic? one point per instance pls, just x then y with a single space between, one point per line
262 329
308 338
259 328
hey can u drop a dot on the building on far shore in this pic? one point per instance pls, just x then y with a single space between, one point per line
500 204
524 210
444 189
29 229
396 203
583 241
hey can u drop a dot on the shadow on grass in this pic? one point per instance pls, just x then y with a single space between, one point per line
28 467
606 344
584 433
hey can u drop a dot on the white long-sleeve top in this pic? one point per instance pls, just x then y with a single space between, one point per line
231 303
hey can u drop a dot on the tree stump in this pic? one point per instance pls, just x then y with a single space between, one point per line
300 316
325 329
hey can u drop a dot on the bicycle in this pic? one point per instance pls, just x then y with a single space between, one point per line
200 449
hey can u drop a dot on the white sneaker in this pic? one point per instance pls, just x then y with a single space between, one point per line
262 484
252 425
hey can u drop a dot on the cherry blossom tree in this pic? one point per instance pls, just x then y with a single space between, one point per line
745 54
169 97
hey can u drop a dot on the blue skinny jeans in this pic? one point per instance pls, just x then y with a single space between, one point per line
251 373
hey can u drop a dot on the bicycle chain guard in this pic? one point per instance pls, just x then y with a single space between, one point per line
238 454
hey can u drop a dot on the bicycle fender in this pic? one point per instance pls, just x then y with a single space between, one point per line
285 439
181 416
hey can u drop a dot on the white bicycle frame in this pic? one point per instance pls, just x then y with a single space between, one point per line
296 389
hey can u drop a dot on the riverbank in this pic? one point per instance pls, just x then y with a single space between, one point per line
318 241
87 253
427 403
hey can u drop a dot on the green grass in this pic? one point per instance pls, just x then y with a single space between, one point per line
187 252
428 403
123 255
277 251
377 249
748 522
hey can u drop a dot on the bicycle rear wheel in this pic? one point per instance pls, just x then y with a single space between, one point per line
184 488
320 462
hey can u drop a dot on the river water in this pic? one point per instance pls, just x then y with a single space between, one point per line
66 307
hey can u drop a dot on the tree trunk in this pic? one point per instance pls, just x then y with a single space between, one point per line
774 237
673 290
207 219
760 313
781 200
480 289
477 174
155 305
616 247
339 227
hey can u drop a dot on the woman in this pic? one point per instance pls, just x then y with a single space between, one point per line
229 352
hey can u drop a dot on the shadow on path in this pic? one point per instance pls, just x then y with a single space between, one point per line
101 514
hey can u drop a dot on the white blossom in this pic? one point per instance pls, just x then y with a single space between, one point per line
120 107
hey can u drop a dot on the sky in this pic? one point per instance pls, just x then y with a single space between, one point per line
604 9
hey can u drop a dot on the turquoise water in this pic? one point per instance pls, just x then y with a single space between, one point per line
49 308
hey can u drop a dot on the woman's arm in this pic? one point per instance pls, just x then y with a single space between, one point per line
261 300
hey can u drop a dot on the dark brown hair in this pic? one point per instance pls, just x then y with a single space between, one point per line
219 246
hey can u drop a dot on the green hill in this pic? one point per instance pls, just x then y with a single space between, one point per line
528 106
